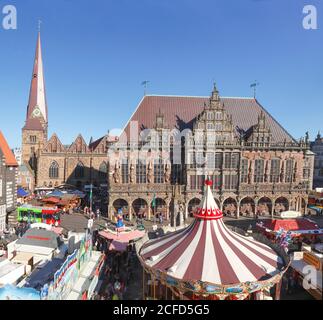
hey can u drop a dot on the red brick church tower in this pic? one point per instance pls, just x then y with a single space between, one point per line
34 133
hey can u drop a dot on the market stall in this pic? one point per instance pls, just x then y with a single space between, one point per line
207 260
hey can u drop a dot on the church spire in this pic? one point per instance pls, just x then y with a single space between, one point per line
37 105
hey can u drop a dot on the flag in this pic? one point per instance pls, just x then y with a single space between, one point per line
91 193
253 85
154 201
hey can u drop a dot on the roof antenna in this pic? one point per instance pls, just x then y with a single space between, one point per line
145 83
254 86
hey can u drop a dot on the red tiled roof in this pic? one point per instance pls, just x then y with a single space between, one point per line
10 159
33 124
181 111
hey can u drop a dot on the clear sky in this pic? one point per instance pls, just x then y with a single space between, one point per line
97 52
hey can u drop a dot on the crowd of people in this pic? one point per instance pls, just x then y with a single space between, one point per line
119 269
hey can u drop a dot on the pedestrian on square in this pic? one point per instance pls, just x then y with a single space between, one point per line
98 214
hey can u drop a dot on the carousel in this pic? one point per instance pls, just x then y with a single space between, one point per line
207 260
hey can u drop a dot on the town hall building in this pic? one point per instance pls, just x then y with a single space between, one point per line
256 166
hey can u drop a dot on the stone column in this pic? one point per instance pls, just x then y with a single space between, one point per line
238 209
186 211
272 209
130 211
110 211
149 213
167 210
256 207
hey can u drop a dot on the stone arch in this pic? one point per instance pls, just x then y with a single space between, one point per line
281 204
265 206
230 207
192 205
247 206
120 204
161 207
140 207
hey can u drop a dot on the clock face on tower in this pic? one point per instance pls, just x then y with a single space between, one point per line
36 112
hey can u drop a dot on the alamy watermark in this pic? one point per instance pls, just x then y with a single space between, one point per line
310 18
9 17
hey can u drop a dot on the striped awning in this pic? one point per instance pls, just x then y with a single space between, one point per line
209 251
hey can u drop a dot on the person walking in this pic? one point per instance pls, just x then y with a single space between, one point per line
98 214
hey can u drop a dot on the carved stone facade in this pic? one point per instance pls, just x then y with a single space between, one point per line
255 169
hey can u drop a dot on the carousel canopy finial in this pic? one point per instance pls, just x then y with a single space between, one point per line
208 210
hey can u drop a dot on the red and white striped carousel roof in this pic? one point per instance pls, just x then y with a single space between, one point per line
208 251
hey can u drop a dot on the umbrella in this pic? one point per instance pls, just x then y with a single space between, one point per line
56 193
22 193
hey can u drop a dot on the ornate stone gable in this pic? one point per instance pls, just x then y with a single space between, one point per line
54 145
260 132
79 146
214 120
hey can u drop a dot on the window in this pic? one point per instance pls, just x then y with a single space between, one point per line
218 160
210 115
274 170
227 160
79 170
158 171
196 182
259 171
125 172
218 116
210 126
177 174
1 191
230 181
289 170
231 160
103 169
210 160
235 161
199 159
218 127
217 181
141 172
244 171
53 170
32 139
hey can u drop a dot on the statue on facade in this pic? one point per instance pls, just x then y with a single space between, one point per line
282 173
150 175
266 171
250 173
167 172
132 173
307 137
116 174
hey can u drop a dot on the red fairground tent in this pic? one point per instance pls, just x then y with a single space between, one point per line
300 225
51 200
125 236
209 252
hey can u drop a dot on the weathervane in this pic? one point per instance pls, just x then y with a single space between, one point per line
144 83
254 86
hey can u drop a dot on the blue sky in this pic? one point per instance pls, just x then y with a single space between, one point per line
96 54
